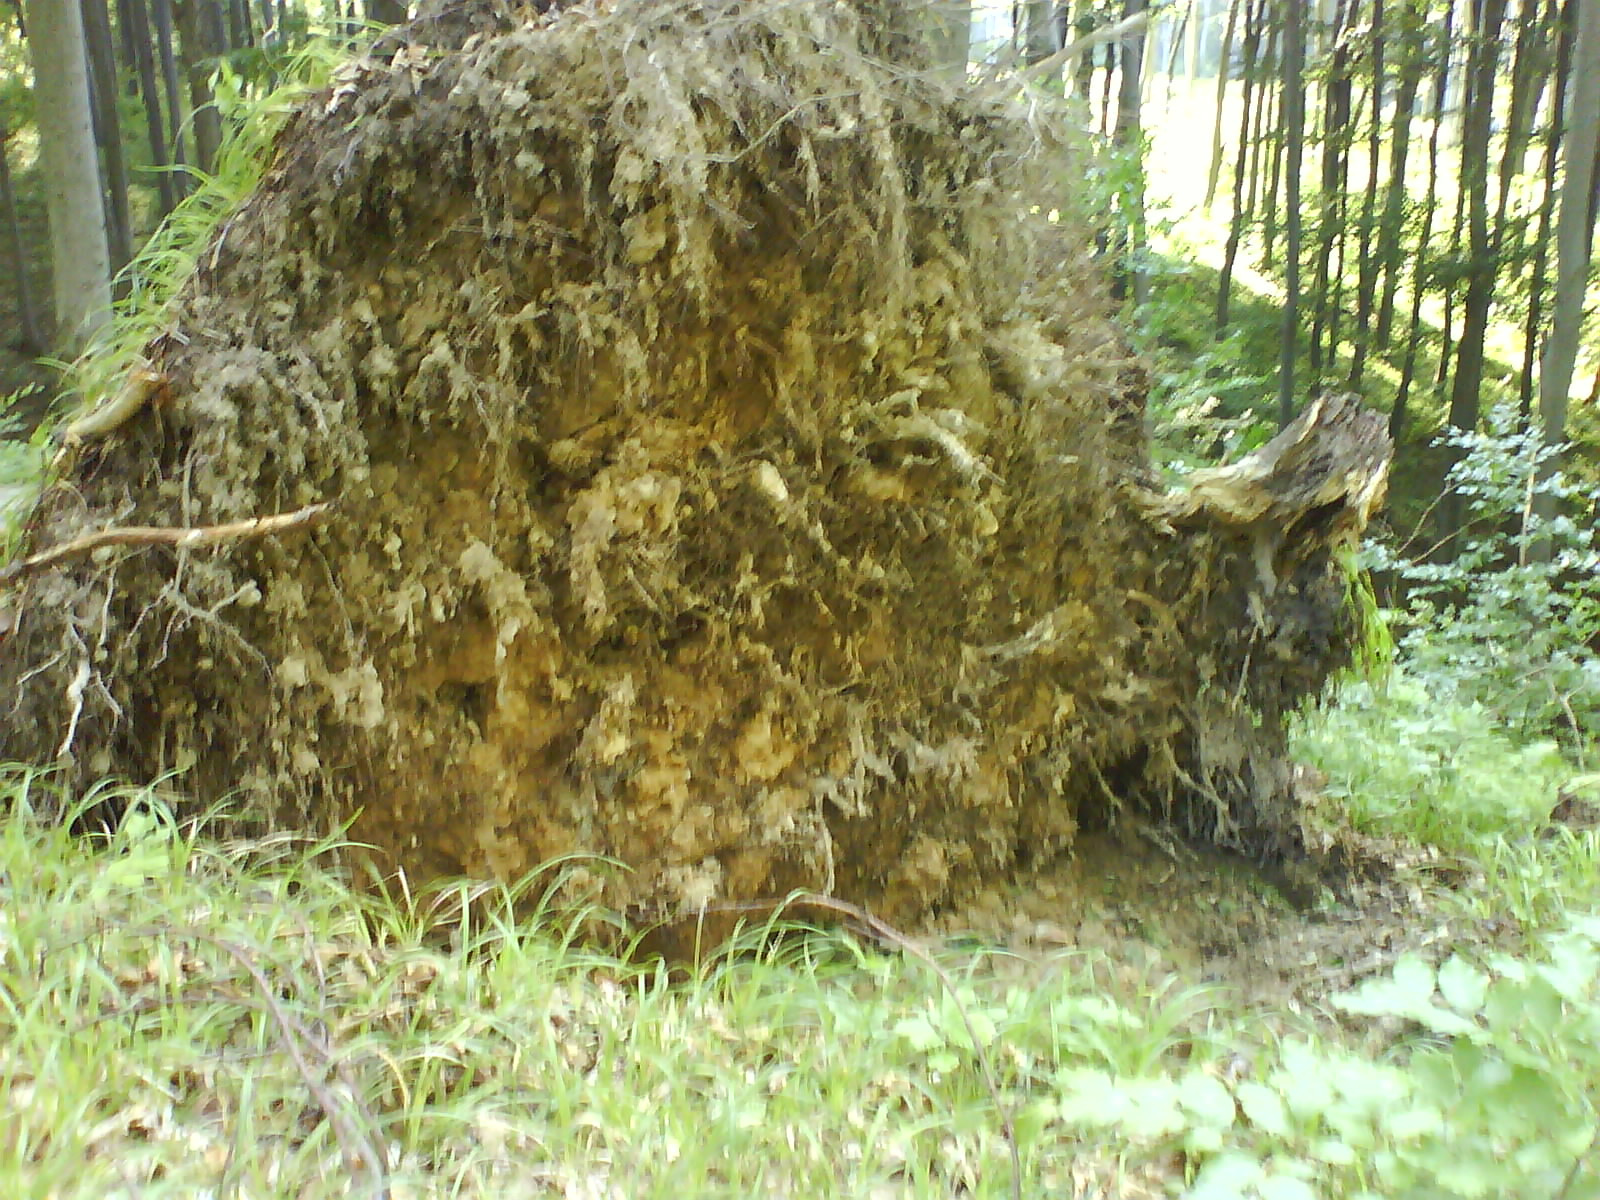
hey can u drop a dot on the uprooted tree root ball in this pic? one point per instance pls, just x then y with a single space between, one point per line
735 474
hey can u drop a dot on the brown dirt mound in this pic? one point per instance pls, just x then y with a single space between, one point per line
736 474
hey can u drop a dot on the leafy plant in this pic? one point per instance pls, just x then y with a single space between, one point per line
1402 759
1510 621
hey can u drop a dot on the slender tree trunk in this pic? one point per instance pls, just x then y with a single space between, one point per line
127 53
1106 91
1191 44
1132 279
1180 37
107 131
1458 231
33 342
1367 267
1395 191
1341 241
161 28
1525 63
1294 137
1482 268
1552 26
1084 22
1260 73
134 12
1420 267
200 32
1574 230
1147 55
1241 215
1533 327
238 24
1335 132
79 258
1277 143
1223 63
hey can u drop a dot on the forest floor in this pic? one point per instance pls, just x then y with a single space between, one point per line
1161 910
188 1014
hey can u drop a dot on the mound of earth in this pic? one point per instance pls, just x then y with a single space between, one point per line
734 472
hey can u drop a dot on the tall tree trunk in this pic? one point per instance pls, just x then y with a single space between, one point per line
107 130
80 261
1341 243
1482 267
1267 114
1277 143
1335 133
1225 54
1574 229
200 32
1106 89
1084 24
1191 44
238 24
27 314
1533 327
127 53
1147 54
1458 232
1294 137
1132 280
1367 267
166 186
1526 61
1180 37
1409 81
1420 267
1241 215
161 28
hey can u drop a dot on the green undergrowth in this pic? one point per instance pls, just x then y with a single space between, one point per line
183 1013
1401 763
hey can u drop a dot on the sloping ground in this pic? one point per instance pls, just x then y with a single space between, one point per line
735 474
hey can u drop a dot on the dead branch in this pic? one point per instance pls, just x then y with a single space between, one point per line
1044 68
184 538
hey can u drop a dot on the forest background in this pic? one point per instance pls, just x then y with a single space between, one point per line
1391 198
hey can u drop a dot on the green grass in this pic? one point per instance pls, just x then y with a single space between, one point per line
183 1013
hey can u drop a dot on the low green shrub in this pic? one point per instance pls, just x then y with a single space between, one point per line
1511 619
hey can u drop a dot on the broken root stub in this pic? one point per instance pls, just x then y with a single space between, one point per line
738 478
